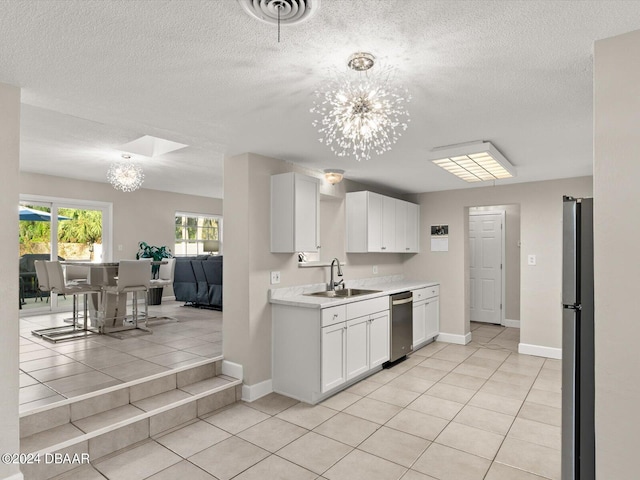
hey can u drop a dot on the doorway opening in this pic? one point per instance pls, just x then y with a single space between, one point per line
494 265
58 229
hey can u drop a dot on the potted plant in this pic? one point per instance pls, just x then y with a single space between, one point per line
157 254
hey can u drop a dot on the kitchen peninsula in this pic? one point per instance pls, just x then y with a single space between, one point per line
322 345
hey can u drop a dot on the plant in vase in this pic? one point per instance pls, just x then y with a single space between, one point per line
157 254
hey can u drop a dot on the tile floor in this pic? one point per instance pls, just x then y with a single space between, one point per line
449 412
50 372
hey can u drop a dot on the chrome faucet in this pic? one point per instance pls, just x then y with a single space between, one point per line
333 284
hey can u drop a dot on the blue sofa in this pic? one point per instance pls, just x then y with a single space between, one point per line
197 281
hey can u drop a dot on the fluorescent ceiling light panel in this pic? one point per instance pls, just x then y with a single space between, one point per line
149 146
473 162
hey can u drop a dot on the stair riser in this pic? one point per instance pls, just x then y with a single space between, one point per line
31 424
123 437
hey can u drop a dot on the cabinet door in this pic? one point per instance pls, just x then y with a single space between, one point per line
333 356
374 222
357 347
388 224
378 339
307 213
432 317
419 327
412 228
295 213
401 226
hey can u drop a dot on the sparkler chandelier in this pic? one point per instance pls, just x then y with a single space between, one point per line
125 175
363 112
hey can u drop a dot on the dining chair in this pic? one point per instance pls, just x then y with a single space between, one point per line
134 276
76 274
165 279
165 275
43 279
57 285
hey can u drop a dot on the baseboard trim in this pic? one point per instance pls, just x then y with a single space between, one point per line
232 369
511 323
453 338
540 351
254 392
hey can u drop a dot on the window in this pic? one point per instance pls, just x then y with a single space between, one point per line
197 234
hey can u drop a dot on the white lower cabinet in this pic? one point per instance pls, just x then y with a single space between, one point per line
333 356
364 345
357 347
426 315
432 317
419 326
378 339
316 352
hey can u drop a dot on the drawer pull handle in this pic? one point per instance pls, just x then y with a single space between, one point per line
335 315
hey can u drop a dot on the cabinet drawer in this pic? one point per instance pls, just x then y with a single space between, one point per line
424 293
367 307
333 315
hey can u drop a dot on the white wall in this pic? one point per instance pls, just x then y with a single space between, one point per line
617 257
541 234
248 260
9 323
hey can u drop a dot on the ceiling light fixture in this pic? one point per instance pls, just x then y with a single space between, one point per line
125 175
474 161
333 175
361 113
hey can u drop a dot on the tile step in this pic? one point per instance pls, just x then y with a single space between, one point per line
109 421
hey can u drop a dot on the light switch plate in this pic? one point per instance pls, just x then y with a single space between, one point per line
531 260
275 278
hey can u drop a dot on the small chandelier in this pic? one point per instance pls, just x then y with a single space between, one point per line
126 175
361 113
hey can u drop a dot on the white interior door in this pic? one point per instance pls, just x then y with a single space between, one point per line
485 265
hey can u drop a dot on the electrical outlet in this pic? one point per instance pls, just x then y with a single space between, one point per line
375 269
120 247
275 278
531 260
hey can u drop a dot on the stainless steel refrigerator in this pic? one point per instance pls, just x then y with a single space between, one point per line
578 432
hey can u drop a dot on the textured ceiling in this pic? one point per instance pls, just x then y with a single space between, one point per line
96 74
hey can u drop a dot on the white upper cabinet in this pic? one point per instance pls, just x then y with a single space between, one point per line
412 229
401 224
376 223
373 207
389 224
295 213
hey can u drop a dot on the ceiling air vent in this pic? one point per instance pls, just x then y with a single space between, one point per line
290 11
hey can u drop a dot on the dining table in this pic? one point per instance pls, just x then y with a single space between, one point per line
106 312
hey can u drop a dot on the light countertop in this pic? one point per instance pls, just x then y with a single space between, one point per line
295 296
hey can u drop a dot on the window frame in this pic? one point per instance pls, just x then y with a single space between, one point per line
198 241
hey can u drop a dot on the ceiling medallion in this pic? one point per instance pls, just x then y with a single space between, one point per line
361 61
361 113
126 175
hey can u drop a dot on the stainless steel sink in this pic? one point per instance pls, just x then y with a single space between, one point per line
345 292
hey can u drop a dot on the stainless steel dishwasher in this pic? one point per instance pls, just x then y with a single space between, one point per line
401 308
